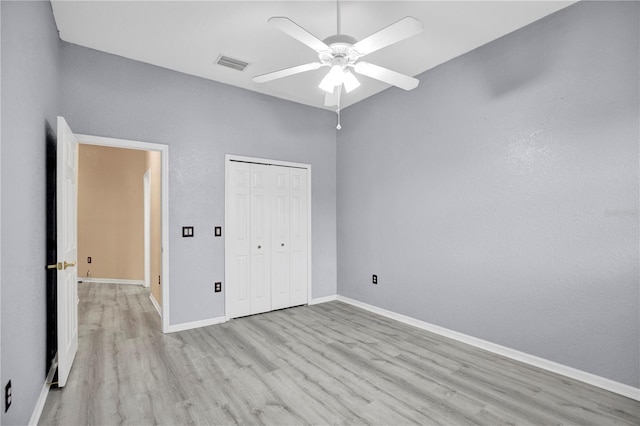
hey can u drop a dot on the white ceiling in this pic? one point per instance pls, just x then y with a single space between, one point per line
188 36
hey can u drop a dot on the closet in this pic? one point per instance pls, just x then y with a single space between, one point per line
267 237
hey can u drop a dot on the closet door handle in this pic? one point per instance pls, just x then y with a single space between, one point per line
282 245
259 247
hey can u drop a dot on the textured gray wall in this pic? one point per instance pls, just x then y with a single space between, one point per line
201 121
30 55
500 198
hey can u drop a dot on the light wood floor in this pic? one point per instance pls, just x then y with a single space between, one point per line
324 364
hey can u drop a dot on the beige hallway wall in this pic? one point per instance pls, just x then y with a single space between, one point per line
152 161
111 212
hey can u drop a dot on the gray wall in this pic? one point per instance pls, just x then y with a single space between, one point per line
500 198
201 121
30 63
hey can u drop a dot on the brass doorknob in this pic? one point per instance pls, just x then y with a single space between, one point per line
55 266
69 264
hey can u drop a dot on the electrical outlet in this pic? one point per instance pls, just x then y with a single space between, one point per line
218 287
89 259
7 396
375 279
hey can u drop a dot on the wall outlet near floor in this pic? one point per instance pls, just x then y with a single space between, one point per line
217 287
7 396
374 279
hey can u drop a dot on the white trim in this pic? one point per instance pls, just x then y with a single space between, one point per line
2 405
196 324
224 233
309 236
111 281
231 157
164 155
165 239
324 299
42 399
155 304
573 373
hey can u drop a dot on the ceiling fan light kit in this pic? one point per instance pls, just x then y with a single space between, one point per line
342 53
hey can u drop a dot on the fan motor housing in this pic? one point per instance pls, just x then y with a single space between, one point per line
339 38
342 51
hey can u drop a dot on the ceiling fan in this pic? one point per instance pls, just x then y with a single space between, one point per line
342 53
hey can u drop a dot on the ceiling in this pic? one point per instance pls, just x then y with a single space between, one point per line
188 36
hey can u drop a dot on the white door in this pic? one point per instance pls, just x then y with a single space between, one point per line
266 244
260 230
299 236
237 240
67 248
280 224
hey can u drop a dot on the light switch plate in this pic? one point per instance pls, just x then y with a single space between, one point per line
217 232
187 231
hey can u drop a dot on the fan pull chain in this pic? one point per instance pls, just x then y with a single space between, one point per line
338 112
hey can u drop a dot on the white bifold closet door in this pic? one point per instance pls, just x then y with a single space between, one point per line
267 232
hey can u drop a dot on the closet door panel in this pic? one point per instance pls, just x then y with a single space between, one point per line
239 302
260 230
299 237
280 264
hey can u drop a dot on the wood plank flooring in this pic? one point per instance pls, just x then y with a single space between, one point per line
325 364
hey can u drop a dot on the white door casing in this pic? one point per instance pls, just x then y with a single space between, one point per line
67 248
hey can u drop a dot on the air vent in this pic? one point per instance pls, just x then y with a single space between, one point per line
236 64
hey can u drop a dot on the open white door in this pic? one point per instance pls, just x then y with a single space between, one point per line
67 224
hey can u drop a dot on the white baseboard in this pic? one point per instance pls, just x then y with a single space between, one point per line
155 304
323 299
111 281
196 324
573 373
42 399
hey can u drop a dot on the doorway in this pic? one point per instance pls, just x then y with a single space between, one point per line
162 251
119 218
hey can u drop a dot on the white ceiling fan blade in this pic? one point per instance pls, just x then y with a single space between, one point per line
386 75
289 27
400 30
333 98
263 78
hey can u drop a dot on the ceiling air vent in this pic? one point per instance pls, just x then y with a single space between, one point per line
236 64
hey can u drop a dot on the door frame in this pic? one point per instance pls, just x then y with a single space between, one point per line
164 161
231 157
